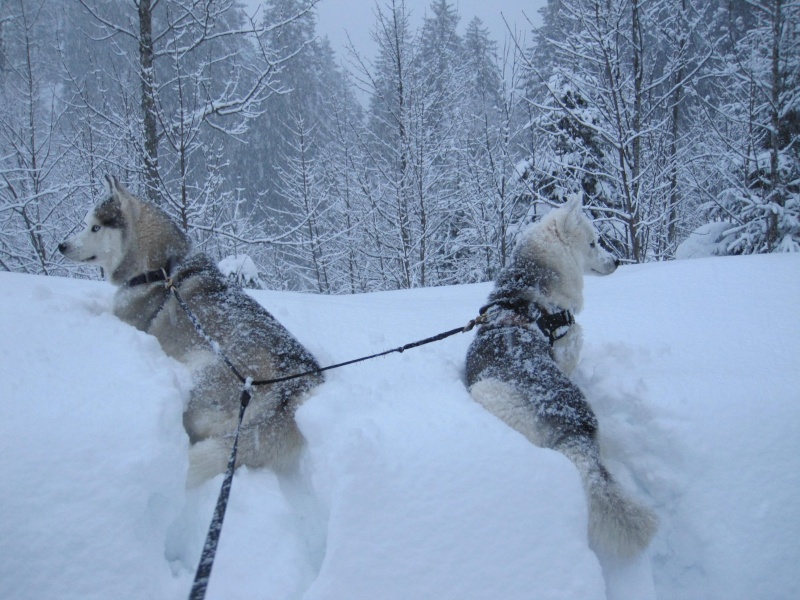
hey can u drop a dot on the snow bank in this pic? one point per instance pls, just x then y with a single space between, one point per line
407 487
697 371
93 453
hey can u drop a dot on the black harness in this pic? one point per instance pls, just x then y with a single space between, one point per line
153 276
525 313
149 277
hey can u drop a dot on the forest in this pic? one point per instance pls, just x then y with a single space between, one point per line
415 167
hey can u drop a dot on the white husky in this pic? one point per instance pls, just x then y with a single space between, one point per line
518 363
139 247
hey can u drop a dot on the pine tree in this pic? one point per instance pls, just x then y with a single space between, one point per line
494 196
756 127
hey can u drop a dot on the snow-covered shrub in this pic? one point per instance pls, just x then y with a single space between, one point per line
711 239
241 269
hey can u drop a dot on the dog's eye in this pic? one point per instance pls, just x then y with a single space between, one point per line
95 228
592 244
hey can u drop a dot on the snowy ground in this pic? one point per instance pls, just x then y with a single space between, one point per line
407 488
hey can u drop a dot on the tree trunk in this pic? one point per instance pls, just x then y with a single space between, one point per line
636 145
149 125
775 195
674 193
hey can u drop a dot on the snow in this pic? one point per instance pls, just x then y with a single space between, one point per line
242 269
409 489
711 239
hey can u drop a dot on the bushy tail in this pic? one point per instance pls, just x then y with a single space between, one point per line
618 525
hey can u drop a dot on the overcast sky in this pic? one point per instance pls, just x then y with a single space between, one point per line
338 18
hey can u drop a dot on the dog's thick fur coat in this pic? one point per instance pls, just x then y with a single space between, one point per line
128 238
513 370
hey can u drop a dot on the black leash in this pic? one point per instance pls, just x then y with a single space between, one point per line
203 573
399 349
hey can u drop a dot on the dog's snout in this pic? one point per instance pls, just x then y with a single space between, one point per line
616 262
62 247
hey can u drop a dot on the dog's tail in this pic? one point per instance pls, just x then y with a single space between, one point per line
618 525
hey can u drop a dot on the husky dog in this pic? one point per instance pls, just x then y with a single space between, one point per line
528 342
139 248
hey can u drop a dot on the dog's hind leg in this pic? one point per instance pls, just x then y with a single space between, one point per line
618 525
207 458
511 406
275 444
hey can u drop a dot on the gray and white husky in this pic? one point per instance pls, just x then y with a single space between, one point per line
519 362
138 245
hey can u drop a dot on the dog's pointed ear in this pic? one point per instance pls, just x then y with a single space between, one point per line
574 203
118 192
113 186
109 180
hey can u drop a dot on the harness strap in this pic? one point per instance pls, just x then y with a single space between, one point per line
553 325
149 277
252 382
153 276
209 340
556 325
400 350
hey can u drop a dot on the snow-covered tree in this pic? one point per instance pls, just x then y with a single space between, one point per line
302 215
187 79
306 80
389 141
755 126
37 190
344 175
495 197
614 75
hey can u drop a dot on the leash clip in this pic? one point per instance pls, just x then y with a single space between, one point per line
245 396
168 284
479 320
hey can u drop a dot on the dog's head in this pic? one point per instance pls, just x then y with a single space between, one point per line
576 231
102 241
127 237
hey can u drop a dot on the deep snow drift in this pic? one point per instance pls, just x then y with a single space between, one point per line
408 489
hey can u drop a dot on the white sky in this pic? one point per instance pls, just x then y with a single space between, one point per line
338 18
